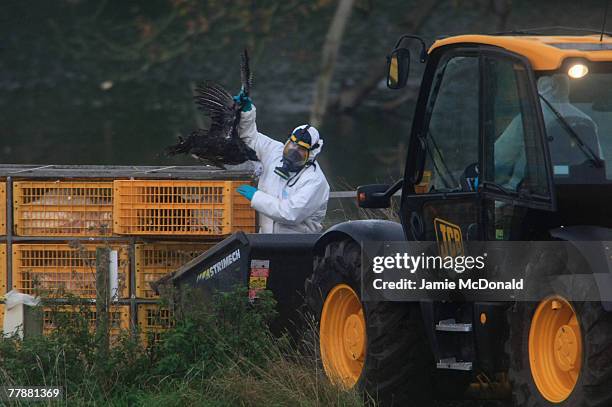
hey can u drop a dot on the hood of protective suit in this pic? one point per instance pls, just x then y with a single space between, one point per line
315 139
554 88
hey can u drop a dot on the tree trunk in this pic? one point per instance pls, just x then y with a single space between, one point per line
351 98
502 10
333 40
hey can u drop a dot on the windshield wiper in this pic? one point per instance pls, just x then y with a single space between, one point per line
588 152
441 161
498 187
521 193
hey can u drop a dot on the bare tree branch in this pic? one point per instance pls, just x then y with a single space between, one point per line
350 98
410 93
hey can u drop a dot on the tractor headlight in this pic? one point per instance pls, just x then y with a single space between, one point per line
577 71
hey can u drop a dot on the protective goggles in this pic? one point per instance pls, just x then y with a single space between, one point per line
295 152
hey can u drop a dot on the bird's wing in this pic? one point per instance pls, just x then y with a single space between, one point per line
224 127
216 103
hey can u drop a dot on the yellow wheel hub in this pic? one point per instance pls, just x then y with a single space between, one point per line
354 335
342 336
566 348
555 348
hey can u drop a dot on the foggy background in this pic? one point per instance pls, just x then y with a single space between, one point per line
110 82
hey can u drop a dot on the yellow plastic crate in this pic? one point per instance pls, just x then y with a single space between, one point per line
2 208
180 208
62 208
56 268
243 216
153 260
119 317
153 320
3 275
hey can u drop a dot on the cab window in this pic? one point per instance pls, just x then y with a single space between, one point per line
452 128
577 114
514 153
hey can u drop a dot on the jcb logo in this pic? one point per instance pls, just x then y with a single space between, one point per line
448 235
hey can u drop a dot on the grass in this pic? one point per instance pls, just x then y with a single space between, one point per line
219 353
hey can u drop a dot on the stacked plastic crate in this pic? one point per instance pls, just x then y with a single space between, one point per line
57 226
155 226
169 208
153 260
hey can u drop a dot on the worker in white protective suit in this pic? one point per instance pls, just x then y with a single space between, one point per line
510 160
292 193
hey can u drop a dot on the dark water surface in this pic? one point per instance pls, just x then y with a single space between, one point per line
66 96
40 126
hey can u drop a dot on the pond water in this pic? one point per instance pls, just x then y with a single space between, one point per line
40 126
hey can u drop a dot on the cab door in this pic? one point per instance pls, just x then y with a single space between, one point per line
516 178
478 161
441 202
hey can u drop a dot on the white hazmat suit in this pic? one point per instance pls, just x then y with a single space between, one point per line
296 205
510 161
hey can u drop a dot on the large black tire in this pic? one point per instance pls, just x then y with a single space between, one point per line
594 384
398 363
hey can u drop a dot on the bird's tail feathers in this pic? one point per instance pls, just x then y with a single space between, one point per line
251 154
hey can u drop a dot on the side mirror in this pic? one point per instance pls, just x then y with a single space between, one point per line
377 195
373 196
398 67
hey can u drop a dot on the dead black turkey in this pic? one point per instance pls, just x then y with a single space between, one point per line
220 144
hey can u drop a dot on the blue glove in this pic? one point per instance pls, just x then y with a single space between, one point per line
246 191
244 101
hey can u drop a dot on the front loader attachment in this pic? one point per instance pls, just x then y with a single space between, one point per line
277 262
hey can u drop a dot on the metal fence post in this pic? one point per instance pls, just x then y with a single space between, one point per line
102 301
132 291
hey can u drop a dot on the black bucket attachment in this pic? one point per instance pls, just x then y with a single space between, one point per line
277 262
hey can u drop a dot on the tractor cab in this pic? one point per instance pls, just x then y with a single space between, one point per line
510 141
516 125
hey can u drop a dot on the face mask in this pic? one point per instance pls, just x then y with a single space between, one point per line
294 159
283 171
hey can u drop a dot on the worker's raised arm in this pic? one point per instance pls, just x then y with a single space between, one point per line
306 200
263 145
